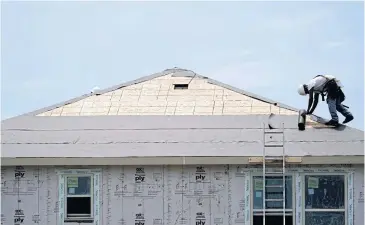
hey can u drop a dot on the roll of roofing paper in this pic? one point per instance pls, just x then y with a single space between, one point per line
302 119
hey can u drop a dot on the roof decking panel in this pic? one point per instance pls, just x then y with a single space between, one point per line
155 95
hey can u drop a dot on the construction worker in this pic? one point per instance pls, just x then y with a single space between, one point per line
326 84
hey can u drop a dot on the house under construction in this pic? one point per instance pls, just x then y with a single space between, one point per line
178 148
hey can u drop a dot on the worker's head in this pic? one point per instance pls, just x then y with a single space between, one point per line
303 89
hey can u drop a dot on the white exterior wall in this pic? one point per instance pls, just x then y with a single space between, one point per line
169 196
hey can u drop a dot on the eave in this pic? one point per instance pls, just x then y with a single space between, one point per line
173 160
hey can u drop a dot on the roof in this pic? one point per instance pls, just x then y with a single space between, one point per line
176 72
139 136
130 137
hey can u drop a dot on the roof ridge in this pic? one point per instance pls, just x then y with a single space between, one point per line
165 72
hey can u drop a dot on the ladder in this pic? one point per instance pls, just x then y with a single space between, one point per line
278 158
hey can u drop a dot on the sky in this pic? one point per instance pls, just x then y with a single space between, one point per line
54 51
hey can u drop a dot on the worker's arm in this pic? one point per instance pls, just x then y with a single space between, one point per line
315 103
310 101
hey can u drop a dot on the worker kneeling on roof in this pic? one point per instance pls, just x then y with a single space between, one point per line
330 86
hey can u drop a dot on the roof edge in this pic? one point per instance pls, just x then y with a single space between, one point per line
171 160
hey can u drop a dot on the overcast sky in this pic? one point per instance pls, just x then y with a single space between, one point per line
54 51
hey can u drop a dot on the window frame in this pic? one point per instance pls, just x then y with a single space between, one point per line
345 209
91 195
259 212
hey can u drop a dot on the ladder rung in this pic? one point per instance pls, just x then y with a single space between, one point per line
274 132
274 169
287 213
275 200
274 157
273 161
274 186
274 146
275 172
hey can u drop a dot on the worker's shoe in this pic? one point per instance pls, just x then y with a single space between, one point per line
348 119
332 123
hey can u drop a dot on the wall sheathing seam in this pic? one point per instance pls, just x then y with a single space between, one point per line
247 204
350 198
298 198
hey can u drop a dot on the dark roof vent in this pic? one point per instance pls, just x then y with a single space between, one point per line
181 86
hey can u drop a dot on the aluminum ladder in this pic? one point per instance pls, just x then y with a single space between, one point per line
277 158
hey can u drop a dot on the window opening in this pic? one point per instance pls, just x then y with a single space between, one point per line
79 197
325 200
273 190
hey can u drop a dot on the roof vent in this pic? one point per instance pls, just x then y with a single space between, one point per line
181 86
95 90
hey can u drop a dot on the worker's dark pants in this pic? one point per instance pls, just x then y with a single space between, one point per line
335 105
335 98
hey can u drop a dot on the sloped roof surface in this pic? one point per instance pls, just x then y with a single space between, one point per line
176 72
29 135
134 136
